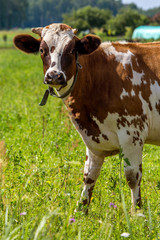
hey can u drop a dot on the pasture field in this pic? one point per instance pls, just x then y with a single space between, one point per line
41 173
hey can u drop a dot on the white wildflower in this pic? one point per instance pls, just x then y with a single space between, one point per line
141 215
125 234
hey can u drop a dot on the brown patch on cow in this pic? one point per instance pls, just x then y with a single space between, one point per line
141 142
137 176
86 157
85 174
85 202
52 49
85 103
157 105
139 182
65 27
89 181
135 139
68 60
105 137
111 153
137 122
122 121
139 201
140 167
96 139
128 133
45 56
90 191
131 178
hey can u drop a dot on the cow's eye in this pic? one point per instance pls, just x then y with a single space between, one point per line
41 51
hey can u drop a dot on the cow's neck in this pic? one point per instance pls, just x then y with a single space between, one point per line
89 92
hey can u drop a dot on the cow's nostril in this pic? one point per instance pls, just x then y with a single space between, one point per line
51 75
60 76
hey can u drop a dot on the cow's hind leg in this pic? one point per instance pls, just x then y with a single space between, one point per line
92 169
132 156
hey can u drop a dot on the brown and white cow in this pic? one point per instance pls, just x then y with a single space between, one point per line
113 101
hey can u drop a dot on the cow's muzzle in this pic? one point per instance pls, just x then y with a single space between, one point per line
55 78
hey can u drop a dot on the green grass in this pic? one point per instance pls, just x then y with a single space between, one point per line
42 173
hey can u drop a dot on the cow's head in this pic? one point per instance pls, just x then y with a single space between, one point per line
58 46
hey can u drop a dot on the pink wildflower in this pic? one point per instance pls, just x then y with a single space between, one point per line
23 213
72 220
112 205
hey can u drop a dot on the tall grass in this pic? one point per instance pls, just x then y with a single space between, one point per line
41 174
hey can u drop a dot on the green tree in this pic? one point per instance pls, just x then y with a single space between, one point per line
87 18
44 12
113 5
12 13
126 18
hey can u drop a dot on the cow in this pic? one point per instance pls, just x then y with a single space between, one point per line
111 91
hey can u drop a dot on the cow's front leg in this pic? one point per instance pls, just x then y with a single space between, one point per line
132 156
92 169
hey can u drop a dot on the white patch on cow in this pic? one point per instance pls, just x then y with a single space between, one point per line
121 57
144 103
155 96
153 115
145 82
155 90
105 45
137 78
137 62
133 93
123 42
124 94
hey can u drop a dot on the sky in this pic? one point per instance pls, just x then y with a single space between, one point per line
144 4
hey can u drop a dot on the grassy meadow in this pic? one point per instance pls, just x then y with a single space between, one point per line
41 169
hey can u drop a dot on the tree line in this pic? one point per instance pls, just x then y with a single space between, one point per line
114 17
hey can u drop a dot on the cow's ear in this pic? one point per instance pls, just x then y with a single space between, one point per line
88 44
27 43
